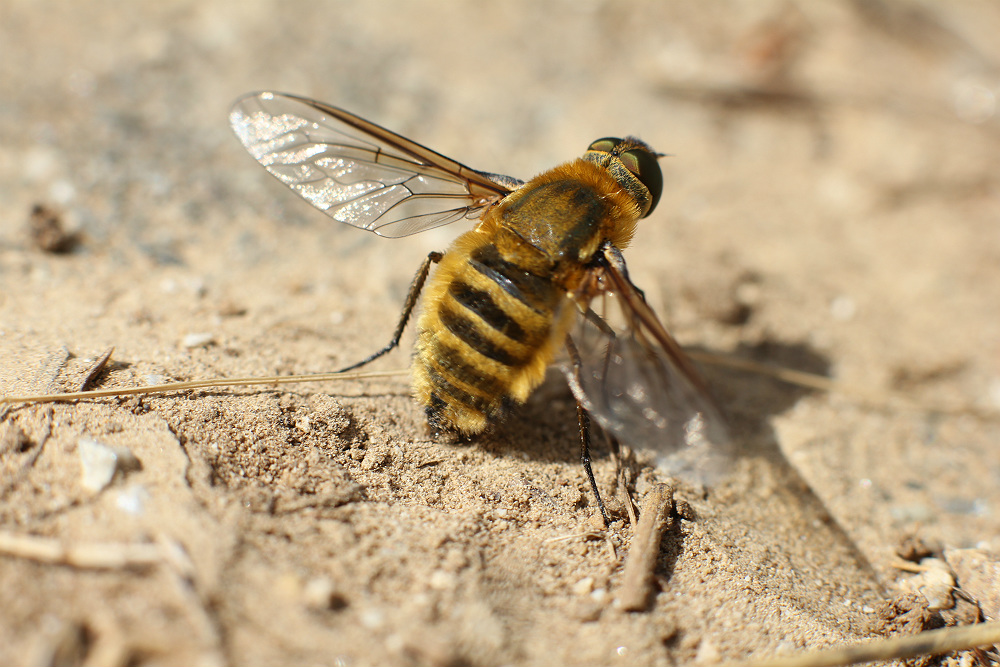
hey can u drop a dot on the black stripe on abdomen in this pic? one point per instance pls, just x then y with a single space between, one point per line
457 365
444 387
482 304
458 320
531 290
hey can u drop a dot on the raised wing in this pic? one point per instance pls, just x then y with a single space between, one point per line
637 383
357 172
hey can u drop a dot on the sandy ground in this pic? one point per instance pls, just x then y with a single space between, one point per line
831 204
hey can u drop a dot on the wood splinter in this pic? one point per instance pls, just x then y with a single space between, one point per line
656 516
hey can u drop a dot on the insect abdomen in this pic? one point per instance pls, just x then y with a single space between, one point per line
485 336
497 307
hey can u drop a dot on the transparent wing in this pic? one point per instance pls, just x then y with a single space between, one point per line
637 383
357 172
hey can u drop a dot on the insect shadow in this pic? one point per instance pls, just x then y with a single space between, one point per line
544 429
791 506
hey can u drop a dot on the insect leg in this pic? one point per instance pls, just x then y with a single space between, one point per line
411 301
584 420
613 256
621 479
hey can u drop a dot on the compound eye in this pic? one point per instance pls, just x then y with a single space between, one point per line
605 145
643 164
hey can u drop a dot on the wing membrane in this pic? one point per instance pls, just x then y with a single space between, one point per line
357 172
636 382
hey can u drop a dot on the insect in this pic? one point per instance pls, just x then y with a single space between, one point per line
540 276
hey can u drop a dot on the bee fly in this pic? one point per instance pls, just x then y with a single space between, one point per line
541 272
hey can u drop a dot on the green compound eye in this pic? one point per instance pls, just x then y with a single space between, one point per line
605 145
633 164
644 165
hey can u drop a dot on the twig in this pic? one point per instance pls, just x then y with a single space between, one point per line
96 368
655 517
934 642
93 556
197 384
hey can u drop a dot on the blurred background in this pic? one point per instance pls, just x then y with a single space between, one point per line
836 150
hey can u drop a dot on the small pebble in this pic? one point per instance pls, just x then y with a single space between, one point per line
993 392
132 500
100 463
707 653
320 594
583 587
843 308
442 581
372 618
197 340
935 584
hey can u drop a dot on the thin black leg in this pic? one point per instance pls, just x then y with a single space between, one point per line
584 420
411 301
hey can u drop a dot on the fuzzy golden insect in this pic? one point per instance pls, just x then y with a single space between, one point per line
540 276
